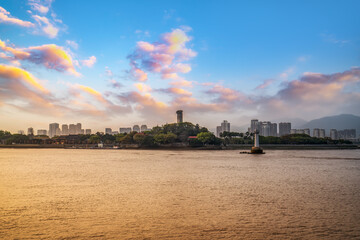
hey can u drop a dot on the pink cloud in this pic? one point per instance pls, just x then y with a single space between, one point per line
165 56
227 95
141 87
145 46
265 84
41 8
48 28
139 74
175 91
181 83
16 74
51 56
315 94
5 17
89 62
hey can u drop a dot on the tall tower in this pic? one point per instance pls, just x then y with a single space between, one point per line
179 114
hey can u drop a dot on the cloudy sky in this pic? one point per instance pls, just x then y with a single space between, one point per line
119 63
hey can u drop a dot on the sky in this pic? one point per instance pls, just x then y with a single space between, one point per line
119 63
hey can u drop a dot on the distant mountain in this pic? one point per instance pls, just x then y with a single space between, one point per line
339 122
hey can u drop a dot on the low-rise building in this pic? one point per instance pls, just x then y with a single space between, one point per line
42 132
125 130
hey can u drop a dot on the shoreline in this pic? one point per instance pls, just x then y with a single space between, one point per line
173 147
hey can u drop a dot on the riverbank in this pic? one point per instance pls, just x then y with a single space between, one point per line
182 147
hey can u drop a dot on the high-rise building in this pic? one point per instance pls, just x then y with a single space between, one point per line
64 129
225 126
125 130
30 131
347 134
284 128
179 116
78 128
88 131
42 132
322 133
143 128
316 132
136 128
114 132
21 132
265 128
82 131
273 129
254 125
54 130
72 129
218 131
333 134
108 131
292 131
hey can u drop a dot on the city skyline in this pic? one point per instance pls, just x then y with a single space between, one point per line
263 128
133 66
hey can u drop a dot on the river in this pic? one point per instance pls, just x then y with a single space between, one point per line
158 194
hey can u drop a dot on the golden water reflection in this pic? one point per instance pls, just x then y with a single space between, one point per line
130 194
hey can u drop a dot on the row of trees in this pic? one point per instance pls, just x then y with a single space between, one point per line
166 134
186 133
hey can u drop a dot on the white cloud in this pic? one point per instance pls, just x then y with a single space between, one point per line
89 62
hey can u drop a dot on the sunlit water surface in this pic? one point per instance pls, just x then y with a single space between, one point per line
130 194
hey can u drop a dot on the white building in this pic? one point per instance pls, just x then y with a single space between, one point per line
78 128
225 126
322 133
143 128
64 129
72 129
333 134
136 128
316 132
54 130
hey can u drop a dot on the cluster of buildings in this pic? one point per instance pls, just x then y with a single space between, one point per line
76 129
54 130
265 129
347 134
270 129
135 128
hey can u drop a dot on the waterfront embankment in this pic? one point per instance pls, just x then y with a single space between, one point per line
186 147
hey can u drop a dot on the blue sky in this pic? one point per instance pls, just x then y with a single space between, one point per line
240 59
